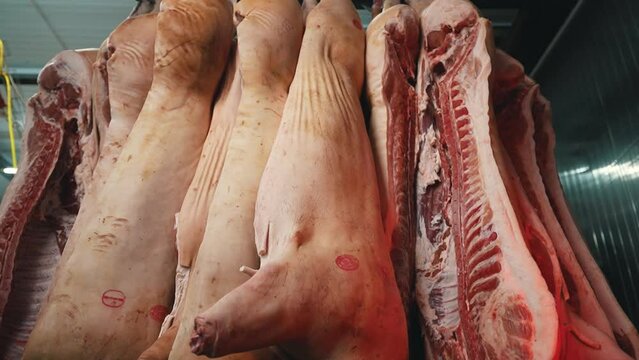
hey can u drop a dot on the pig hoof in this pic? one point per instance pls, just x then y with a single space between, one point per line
198 339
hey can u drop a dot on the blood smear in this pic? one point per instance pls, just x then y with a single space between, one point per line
158 312
347 262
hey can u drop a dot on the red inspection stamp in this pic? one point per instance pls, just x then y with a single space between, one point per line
113 298
347 262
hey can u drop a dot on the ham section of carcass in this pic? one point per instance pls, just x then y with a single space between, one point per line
392 43
115 284
479 290
269 36
325 268
42 200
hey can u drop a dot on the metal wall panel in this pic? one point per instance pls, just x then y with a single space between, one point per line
591 77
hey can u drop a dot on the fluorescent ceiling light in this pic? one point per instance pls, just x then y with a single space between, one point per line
10 170
620 170
576 171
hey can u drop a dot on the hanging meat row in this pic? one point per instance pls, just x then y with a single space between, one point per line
210 182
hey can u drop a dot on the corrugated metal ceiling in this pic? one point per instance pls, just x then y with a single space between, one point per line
35 30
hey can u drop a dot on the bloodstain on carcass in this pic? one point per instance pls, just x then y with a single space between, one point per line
158 312
113 298
347 262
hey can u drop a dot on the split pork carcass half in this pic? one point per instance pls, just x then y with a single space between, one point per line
190 222
325 288
41 202
515 101
623 329
480 292
392 44
127 70
129 66
124 73
477 208
112 290
269 35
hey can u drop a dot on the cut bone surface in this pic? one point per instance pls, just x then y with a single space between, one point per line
113 288
325 269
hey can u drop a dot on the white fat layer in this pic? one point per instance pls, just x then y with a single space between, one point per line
378 129
181 281
429 163
437 279
447 12
436 288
